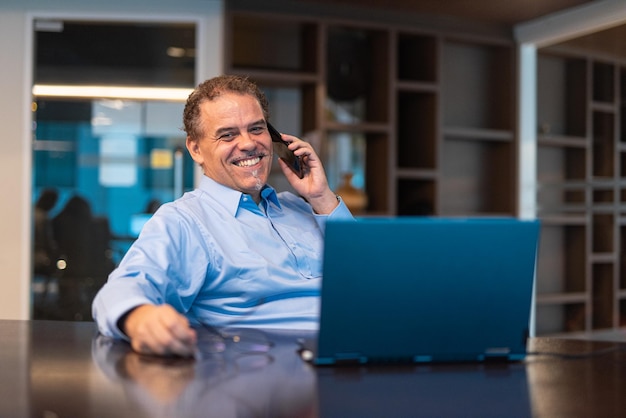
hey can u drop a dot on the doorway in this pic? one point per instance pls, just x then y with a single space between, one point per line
107 148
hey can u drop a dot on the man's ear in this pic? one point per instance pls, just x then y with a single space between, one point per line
194 149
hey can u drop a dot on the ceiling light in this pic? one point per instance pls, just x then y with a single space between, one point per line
112 92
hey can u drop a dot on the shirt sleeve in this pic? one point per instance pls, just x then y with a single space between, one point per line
154 270
341 212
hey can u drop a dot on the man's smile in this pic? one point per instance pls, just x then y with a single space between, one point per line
248 162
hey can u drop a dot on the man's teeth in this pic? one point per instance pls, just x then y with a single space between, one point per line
248 162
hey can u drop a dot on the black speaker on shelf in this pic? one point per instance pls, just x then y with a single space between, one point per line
347 68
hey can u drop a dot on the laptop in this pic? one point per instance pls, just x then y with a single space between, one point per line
425 290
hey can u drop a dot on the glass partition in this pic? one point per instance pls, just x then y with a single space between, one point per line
108 148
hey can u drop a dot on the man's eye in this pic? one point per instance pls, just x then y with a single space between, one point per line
229 136
257 130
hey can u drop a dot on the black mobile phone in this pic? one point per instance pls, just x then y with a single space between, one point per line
280 148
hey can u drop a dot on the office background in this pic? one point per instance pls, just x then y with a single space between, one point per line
16 19
16 31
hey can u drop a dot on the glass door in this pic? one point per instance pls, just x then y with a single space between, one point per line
108 148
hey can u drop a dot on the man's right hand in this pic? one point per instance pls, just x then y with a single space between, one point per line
160 330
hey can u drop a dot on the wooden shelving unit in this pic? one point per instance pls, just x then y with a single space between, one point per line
580 285
417 91
478 143
425 119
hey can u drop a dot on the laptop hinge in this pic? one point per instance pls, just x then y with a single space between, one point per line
349 358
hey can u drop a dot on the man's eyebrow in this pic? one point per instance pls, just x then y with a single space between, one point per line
224 130
232 128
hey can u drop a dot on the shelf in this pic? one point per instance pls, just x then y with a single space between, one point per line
417 130
564 220
603 208
565 212
357 127
561 164
478 134
478 85
603 258
455 138
581 165
477 177
603 144
603 226
417 57
622 107
277 77
561 94
416 197
269 42
560 198
554 298
416 174
561 175
364 154
377 172
603 107
566 247
417 87
357 72
603 85
546 140
562 317
602 293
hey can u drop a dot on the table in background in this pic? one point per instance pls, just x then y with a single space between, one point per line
64 369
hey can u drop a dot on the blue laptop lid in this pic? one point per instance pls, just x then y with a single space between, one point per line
411 289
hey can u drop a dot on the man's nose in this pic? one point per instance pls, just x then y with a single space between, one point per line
246 141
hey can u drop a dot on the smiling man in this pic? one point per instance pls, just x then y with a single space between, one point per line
233 252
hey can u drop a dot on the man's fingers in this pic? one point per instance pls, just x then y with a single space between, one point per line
179 338
161 330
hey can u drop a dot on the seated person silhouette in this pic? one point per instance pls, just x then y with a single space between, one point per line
46 251
84 240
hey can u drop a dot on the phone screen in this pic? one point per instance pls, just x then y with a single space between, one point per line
280 148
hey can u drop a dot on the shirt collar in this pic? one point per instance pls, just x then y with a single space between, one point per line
269 194
232 199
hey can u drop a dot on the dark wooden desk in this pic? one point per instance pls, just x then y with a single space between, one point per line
63 369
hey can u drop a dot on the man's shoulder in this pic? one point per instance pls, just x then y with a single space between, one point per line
189 204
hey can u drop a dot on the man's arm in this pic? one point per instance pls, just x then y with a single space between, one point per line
139 301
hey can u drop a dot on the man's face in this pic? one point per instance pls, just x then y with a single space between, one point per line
236 148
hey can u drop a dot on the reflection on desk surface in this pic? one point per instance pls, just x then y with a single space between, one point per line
252 373
65 369
229 378
424 391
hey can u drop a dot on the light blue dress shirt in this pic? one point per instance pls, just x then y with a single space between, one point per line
221 259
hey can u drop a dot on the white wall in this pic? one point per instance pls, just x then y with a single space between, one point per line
15 117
